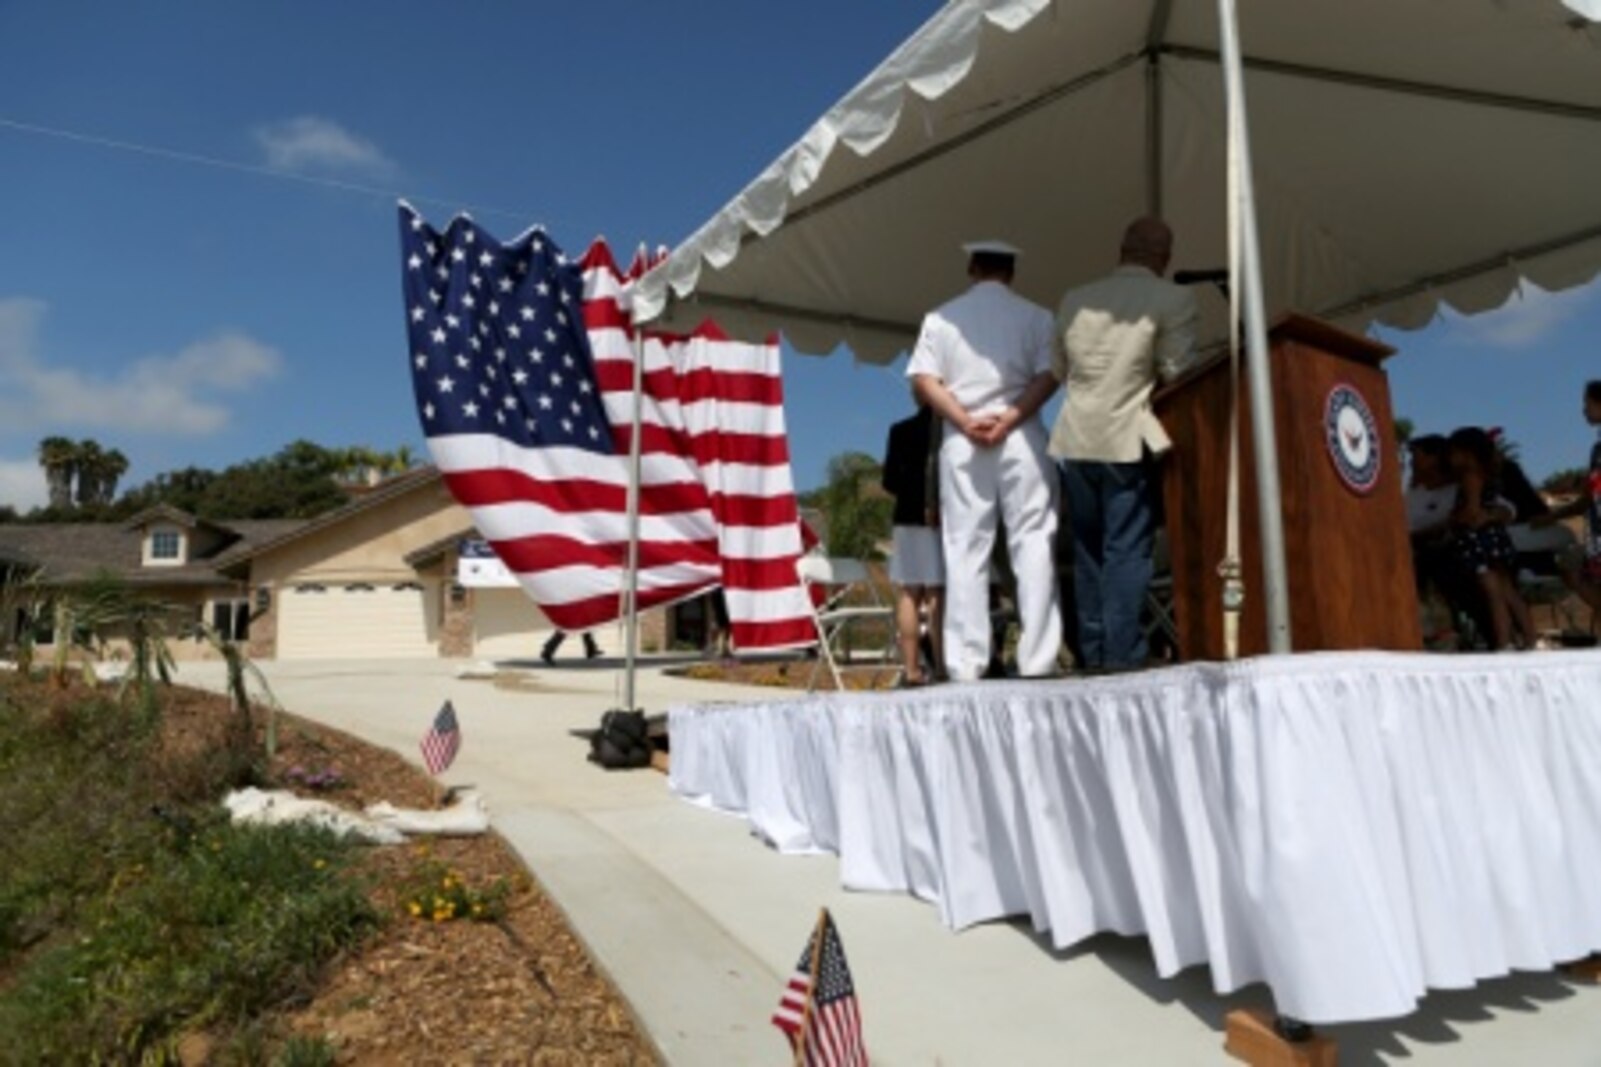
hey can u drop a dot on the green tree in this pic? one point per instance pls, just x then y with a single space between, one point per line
858 513
1404 429
1567 481
113 465
91 461
59 458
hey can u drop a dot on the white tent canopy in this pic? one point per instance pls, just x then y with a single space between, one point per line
1406 152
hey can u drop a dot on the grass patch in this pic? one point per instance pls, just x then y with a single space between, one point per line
131 911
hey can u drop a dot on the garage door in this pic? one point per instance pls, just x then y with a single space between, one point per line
507 625
357 620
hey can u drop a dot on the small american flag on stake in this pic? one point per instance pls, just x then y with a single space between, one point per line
818 1011
442 741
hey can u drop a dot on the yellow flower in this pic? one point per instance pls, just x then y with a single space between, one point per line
415 908
320 864
478 909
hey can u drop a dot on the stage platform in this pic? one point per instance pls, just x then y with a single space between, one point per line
1351 829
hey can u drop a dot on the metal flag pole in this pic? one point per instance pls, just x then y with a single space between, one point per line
1275 577
631 582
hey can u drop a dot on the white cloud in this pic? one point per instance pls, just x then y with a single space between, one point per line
22 484
310 143
159 394
1530 316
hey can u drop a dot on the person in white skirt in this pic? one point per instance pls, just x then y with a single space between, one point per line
917 565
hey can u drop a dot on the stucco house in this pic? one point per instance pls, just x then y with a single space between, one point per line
376 578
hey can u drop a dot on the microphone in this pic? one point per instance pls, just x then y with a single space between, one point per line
1217 276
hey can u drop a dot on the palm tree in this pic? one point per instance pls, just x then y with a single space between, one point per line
113 466
405 458
59 458
91 466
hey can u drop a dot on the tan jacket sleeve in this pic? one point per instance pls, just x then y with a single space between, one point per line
1175 341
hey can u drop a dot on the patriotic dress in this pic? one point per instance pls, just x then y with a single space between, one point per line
1481 548
1592 541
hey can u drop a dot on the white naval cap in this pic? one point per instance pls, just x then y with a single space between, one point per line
991 248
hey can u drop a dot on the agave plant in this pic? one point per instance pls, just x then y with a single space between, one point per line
242 673
105 606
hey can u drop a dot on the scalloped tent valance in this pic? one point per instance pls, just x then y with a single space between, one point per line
1407 153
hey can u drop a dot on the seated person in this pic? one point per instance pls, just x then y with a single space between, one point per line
1479 540
1583 574
1430 500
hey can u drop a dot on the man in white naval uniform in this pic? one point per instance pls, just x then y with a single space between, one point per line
983 362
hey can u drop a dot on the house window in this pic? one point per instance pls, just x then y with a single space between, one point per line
164 544
231 619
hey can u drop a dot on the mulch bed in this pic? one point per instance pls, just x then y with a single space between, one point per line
522 990
788 674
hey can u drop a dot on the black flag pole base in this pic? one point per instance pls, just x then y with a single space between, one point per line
622 742
452 793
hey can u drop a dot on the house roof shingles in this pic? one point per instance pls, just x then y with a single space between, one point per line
73 551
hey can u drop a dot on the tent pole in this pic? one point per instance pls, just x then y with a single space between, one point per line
631 589
1275 577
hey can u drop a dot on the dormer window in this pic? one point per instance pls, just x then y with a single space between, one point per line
164 544
164 547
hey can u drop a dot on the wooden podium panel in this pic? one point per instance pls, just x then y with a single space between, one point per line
1347 549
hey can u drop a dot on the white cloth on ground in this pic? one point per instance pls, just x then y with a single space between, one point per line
278 807
465 818
381 824
1352 829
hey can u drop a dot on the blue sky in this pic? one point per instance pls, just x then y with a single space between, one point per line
198 314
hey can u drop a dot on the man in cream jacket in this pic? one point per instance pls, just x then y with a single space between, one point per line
1118 336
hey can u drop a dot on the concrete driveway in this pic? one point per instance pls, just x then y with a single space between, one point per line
698 923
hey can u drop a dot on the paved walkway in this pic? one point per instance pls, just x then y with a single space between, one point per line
697 922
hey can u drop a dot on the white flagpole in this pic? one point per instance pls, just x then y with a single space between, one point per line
1275 577
631 586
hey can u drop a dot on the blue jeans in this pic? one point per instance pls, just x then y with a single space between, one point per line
1113 526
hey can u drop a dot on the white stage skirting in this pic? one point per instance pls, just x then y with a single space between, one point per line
1351 829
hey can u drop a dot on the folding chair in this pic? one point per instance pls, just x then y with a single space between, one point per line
1543 590
1160 626
840 581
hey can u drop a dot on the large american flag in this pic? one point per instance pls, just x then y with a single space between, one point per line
833 1026
522 365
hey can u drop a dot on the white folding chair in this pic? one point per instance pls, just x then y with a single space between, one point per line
843 584
1159 595
1543 590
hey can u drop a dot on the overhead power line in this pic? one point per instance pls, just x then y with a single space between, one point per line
196 159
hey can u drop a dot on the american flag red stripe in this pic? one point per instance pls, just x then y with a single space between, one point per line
826 1012
717 500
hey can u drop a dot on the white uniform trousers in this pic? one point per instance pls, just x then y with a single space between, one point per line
1016 481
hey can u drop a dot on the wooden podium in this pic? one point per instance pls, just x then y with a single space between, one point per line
1349 558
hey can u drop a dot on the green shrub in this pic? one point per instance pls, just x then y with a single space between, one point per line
129 915
234 922
301 1051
